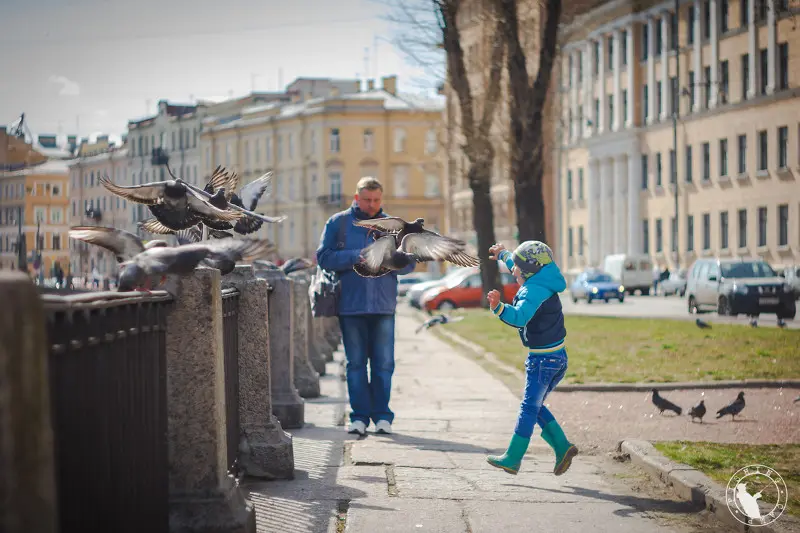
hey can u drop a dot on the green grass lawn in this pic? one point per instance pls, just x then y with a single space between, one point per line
629 350
721 461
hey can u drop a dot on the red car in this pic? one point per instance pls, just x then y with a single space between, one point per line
465 291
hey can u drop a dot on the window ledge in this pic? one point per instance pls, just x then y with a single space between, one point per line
784 249
743 176
762 250
742 250
706 252
706 183
784 172
762 174
724 179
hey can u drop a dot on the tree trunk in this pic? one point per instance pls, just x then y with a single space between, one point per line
527 168
483 220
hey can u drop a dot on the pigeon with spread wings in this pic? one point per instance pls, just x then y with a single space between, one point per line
247 198
174 204
384 255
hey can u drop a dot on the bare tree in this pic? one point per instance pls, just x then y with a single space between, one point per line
527 105
434 30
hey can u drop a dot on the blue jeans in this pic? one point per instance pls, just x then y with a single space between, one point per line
544 371
369 338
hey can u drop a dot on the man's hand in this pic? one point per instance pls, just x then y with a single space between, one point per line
494 297
494 251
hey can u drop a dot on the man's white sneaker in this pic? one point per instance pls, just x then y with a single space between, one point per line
384 427
358 427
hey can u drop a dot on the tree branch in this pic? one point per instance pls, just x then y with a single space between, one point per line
547 53
492 96
456 69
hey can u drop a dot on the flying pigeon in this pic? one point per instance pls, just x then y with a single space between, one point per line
263 264
663 404
174 204
702 325
394 225
435 321
698 411
152 225
384 255
195 234
248 198
182 260
733 408
295 264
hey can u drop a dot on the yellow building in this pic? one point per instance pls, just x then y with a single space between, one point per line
731 67
32 189
320 145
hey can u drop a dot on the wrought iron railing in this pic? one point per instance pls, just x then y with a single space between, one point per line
230 335
109 410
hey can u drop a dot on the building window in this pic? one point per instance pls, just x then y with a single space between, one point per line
743 14
596 57
40 214
646 236
645 43
723 230
690 233
431 142
659 100
334 141
689 164
706 19
659 237
762 226
610 108
335 184
369 141
783 147
580 184
624 105
569 242
674 95
763 157
645 160
399 140
597 110
56 241
783 66
431 186
658 39
723 157
313 142
764 70
745 75
580 66
783 225
645 104
674 234
706 231
724 76
400 182
279 148
673 167
290 141
268 151
247 156
742 228
610 61
742 155
56 215
690 25
658 169
569 185
707 85
673 31
580 241
692 89
706 161
624 47
723 16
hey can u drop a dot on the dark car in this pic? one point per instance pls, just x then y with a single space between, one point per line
739 286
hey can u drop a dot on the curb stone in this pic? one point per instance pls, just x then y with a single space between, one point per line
619 387
692 485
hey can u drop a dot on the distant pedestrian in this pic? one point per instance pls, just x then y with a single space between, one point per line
536 312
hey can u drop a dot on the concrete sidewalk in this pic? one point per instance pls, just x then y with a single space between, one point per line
431 475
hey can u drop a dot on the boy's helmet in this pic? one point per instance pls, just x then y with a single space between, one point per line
532 256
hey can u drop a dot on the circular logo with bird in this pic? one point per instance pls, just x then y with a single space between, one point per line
756 495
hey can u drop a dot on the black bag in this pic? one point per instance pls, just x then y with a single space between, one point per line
325 285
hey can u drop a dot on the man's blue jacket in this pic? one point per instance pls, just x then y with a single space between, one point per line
359 295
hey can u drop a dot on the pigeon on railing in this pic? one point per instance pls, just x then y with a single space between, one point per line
175 205
664 405
733 408
698 411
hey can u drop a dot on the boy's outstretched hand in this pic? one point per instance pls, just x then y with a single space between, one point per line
494 251
493 296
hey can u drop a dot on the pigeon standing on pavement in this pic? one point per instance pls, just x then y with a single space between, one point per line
796 400
663 404
702 325
175 205
698 411
733 408
437 320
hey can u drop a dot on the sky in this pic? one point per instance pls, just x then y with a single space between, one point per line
88 66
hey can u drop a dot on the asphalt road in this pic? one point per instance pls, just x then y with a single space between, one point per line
672 307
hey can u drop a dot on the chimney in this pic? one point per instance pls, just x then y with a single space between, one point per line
390 84
370 84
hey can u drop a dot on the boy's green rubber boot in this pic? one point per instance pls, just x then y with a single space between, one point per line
565 450
511 460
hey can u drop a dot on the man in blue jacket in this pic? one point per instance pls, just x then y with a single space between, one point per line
366 310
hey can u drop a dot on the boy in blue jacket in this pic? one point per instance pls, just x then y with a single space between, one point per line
536 312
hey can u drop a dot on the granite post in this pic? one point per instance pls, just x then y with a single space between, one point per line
287 404
315 354
27 461
306 379
204 497
265 449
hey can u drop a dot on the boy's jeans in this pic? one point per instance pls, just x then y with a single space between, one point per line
369 338
544 371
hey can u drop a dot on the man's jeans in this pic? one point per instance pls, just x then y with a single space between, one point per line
369 338
544 371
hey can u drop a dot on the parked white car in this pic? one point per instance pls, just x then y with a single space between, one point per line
634 271
676 284
405 282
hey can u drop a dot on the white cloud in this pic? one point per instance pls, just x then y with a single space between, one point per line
68 87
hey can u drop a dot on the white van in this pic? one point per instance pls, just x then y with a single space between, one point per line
634 271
